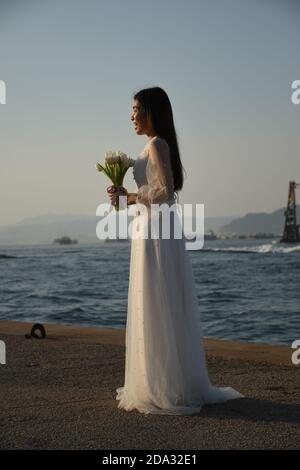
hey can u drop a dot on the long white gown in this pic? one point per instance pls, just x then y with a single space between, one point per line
165 366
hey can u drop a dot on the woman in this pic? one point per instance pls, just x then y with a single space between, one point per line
165 368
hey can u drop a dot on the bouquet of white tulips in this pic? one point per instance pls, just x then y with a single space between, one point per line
115 167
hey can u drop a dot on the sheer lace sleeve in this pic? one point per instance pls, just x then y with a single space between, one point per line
159 187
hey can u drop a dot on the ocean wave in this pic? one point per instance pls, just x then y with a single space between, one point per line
73 310
267 248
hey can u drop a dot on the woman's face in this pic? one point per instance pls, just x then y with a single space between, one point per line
139 119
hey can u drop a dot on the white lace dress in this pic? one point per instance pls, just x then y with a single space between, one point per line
165 365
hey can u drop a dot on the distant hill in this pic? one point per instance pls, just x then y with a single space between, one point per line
46 228
260 222
215 223
43 229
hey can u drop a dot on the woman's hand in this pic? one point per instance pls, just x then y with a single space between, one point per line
115 191
131 198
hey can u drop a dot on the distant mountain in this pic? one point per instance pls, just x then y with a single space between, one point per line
52 217
45 228
215 223
260 222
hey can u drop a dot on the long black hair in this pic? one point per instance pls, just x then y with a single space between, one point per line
159 114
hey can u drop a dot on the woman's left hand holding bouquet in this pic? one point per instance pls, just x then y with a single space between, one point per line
114 192
115 167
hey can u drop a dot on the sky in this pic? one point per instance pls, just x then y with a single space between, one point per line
71 69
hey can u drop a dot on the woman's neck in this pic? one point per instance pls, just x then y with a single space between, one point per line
150 137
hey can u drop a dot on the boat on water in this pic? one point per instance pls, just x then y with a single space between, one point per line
64 241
